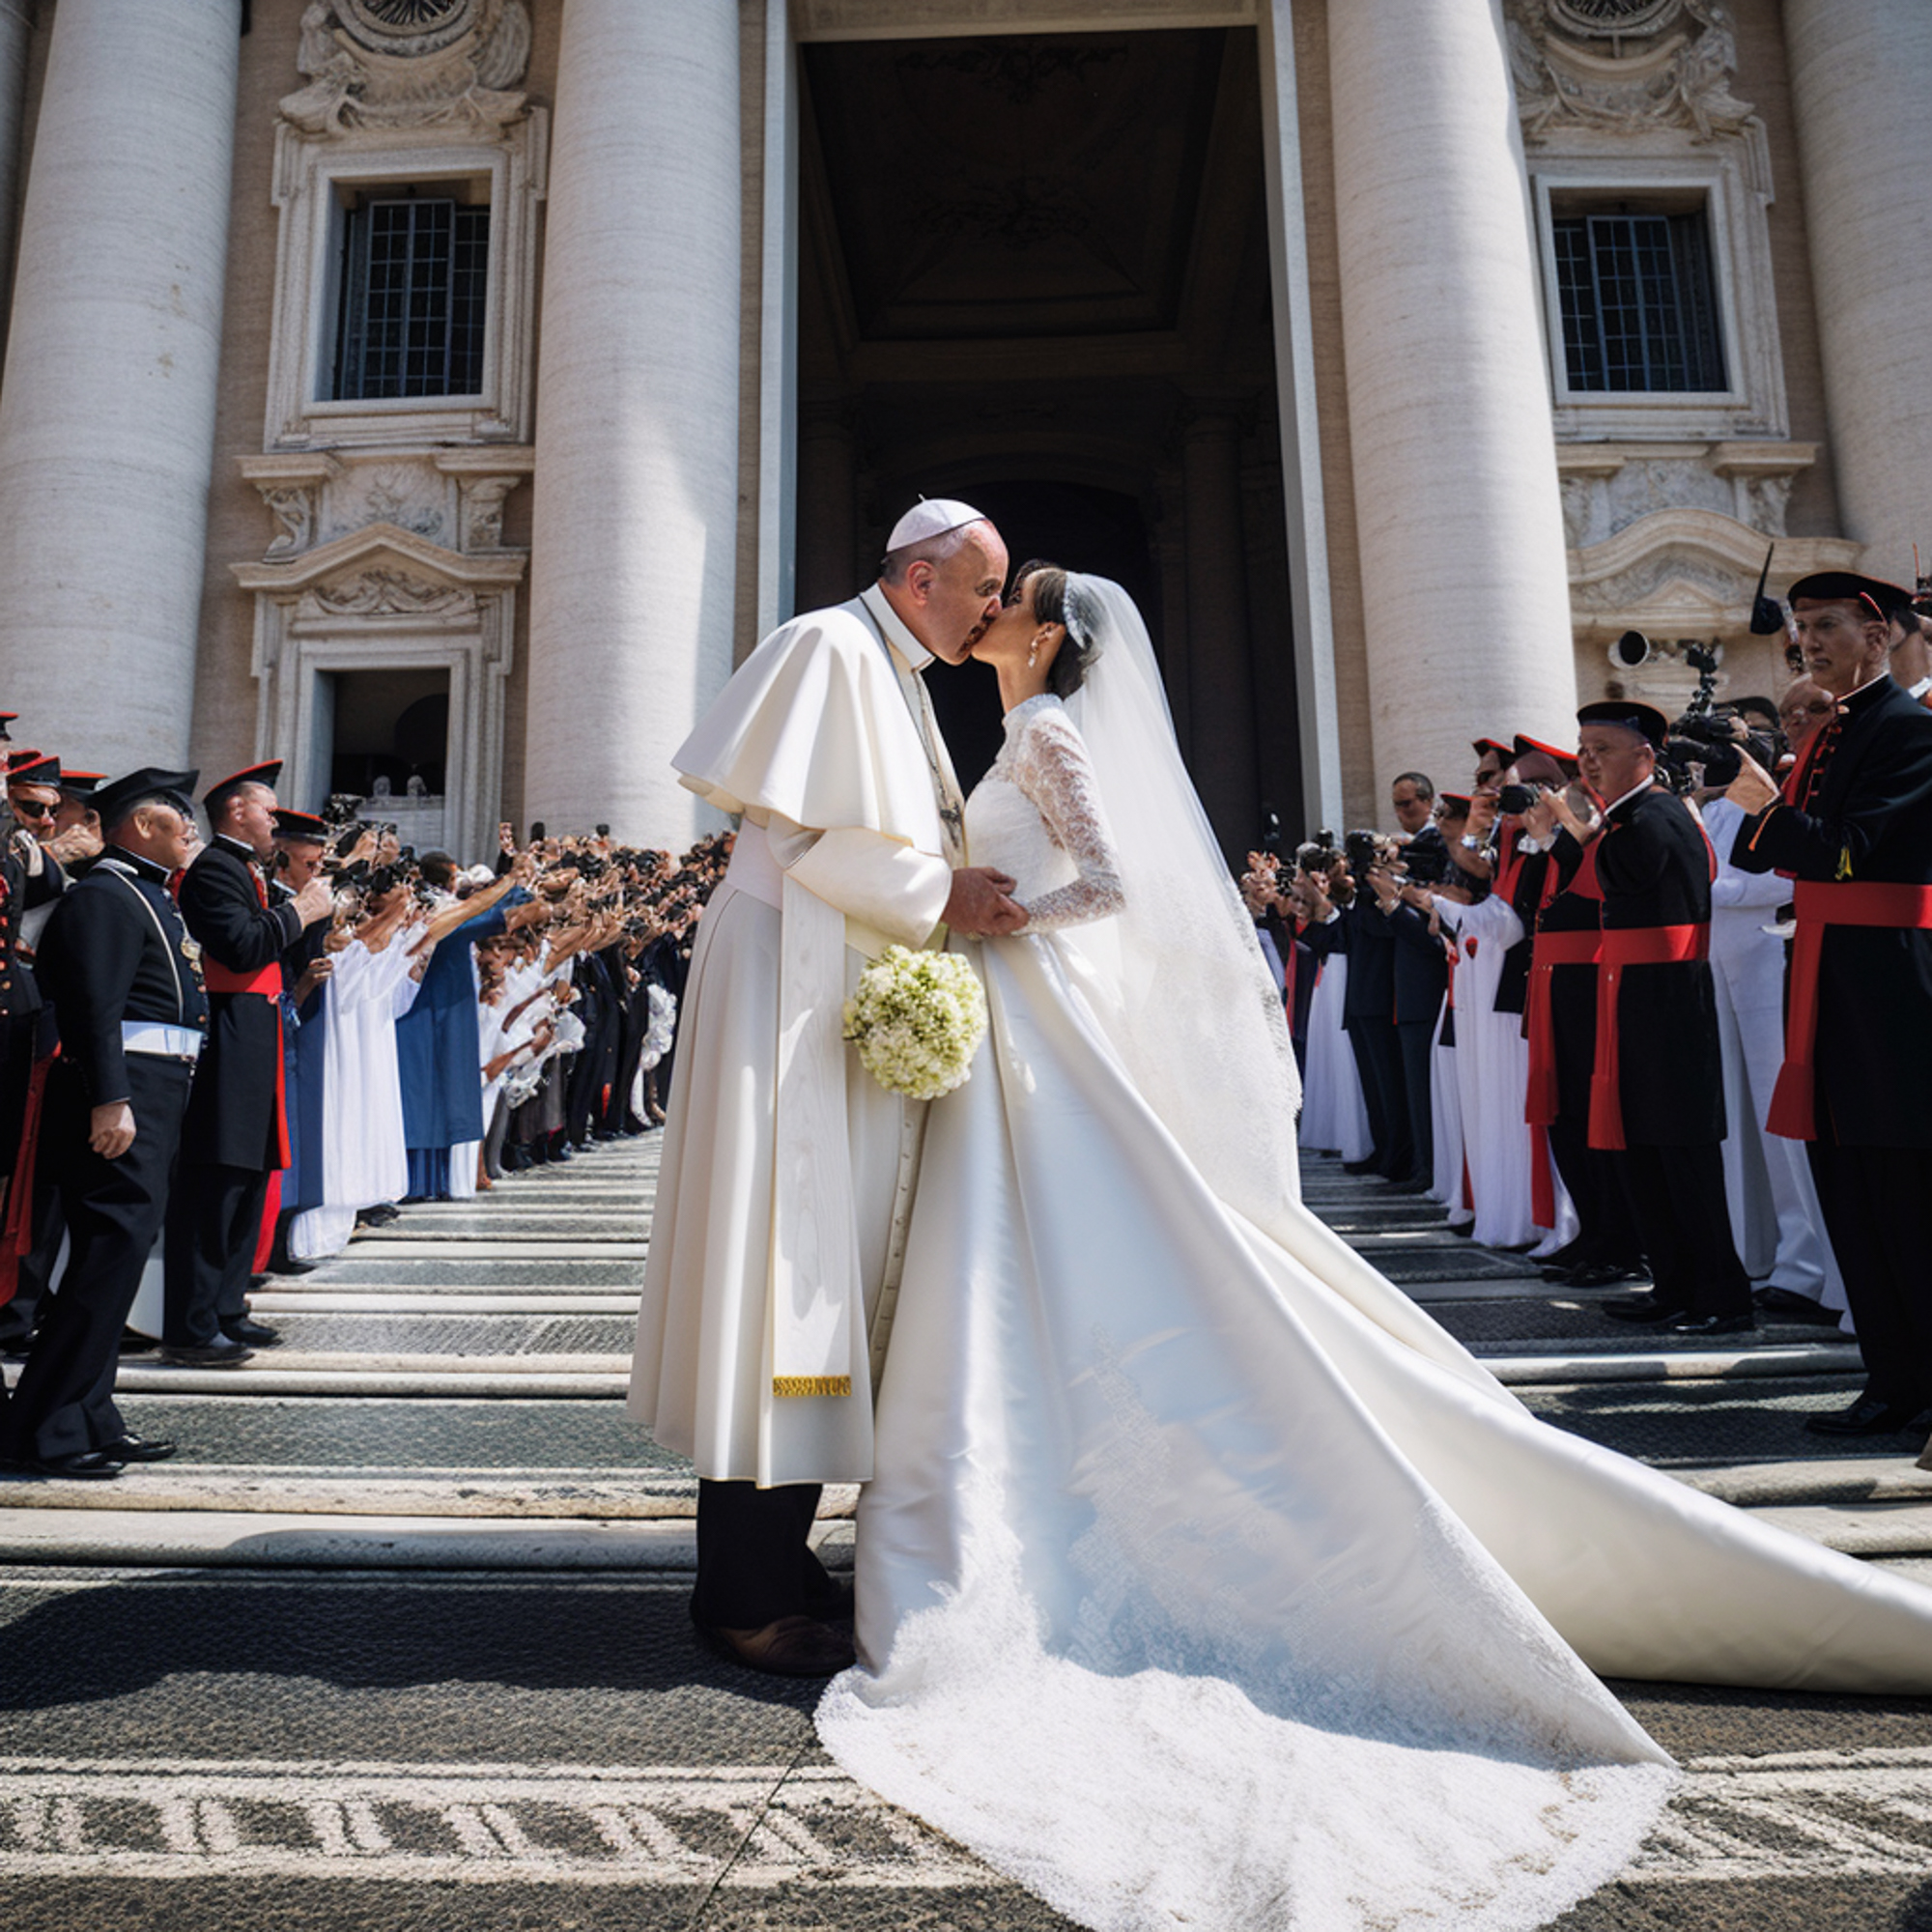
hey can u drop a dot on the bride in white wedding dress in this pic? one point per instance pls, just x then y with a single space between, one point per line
1206 1580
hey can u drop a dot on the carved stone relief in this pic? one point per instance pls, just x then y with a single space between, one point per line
386 592
387 64
1606 488
1666 65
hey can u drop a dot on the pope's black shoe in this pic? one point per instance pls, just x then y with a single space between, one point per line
138 1449
252 1334
1713 1324
91 1466
1644 1308
790 1647
219 1353
1783 1304
1869 1415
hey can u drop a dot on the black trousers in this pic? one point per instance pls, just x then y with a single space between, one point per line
1415 1043
64 1405
214 1223
1608 1234
754 1564
1379 1061
1874 1200
1677 1195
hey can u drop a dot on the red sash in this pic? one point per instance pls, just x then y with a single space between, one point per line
1628 945
17 1236
1878 902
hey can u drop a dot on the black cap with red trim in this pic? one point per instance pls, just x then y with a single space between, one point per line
217 795
1499 745
1566 762
1849 586
300 828
80 783
33 768
117 801
1645 719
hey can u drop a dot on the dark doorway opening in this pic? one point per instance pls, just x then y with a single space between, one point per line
1035 274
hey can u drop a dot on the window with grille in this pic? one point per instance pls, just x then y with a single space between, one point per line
1640 302
414 287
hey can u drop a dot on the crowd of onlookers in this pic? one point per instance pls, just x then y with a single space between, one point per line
1557 1002
221 1055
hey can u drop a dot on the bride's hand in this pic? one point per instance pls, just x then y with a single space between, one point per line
978 903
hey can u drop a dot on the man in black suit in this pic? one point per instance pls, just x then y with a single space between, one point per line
118 965
1657 1088
1360 930
1853 827
236 1134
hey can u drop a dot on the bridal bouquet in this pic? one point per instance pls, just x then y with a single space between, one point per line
916 1020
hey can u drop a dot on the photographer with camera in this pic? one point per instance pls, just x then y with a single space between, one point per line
1854 830
1775 1220
1334 1110
1361 931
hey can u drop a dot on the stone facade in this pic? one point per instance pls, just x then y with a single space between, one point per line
1368 503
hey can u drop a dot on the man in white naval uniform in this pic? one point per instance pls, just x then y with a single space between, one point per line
788 1170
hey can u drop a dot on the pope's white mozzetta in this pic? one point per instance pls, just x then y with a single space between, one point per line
785 1163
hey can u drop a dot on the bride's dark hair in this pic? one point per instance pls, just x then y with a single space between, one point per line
1054 603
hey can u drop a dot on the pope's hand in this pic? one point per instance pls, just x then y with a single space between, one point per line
978 903
1753 788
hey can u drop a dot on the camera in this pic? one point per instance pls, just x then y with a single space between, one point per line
1513 800
1429 867
1362 849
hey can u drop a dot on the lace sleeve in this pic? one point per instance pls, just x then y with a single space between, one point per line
1050 766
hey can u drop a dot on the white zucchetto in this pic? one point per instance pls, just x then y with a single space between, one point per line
933 516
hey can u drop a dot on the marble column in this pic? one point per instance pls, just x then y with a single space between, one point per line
109 397
16 32
633 549
1466 584
1857 81
1220 690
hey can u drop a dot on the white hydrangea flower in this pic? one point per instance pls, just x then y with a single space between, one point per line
917 1019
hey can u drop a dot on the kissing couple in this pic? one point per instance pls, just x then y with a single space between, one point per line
1201 1577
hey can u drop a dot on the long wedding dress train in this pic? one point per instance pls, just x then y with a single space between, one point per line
1205 1579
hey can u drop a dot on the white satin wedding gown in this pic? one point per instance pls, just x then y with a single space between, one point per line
1204 1580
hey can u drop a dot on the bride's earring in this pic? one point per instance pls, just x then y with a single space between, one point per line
1033 656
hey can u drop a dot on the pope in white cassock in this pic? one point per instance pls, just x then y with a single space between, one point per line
788 1170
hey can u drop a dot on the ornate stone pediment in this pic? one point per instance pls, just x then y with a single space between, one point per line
1686 572
1625 65
384 573
387 64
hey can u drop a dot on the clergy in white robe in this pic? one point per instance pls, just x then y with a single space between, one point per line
786 1165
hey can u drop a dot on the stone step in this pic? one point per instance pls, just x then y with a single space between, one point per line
508 1495
456 1300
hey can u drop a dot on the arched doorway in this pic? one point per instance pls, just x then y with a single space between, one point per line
1033 271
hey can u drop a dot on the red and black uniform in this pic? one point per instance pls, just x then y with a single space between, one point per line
1858 842
1656 1088
115 964
237 1133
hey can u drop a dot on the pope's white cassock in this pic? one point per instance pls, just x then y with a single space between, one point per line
788 1170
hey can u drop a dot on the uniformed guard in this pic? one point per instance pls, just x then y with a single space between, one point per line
1855 833
118 965
237 1133
1656 1087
